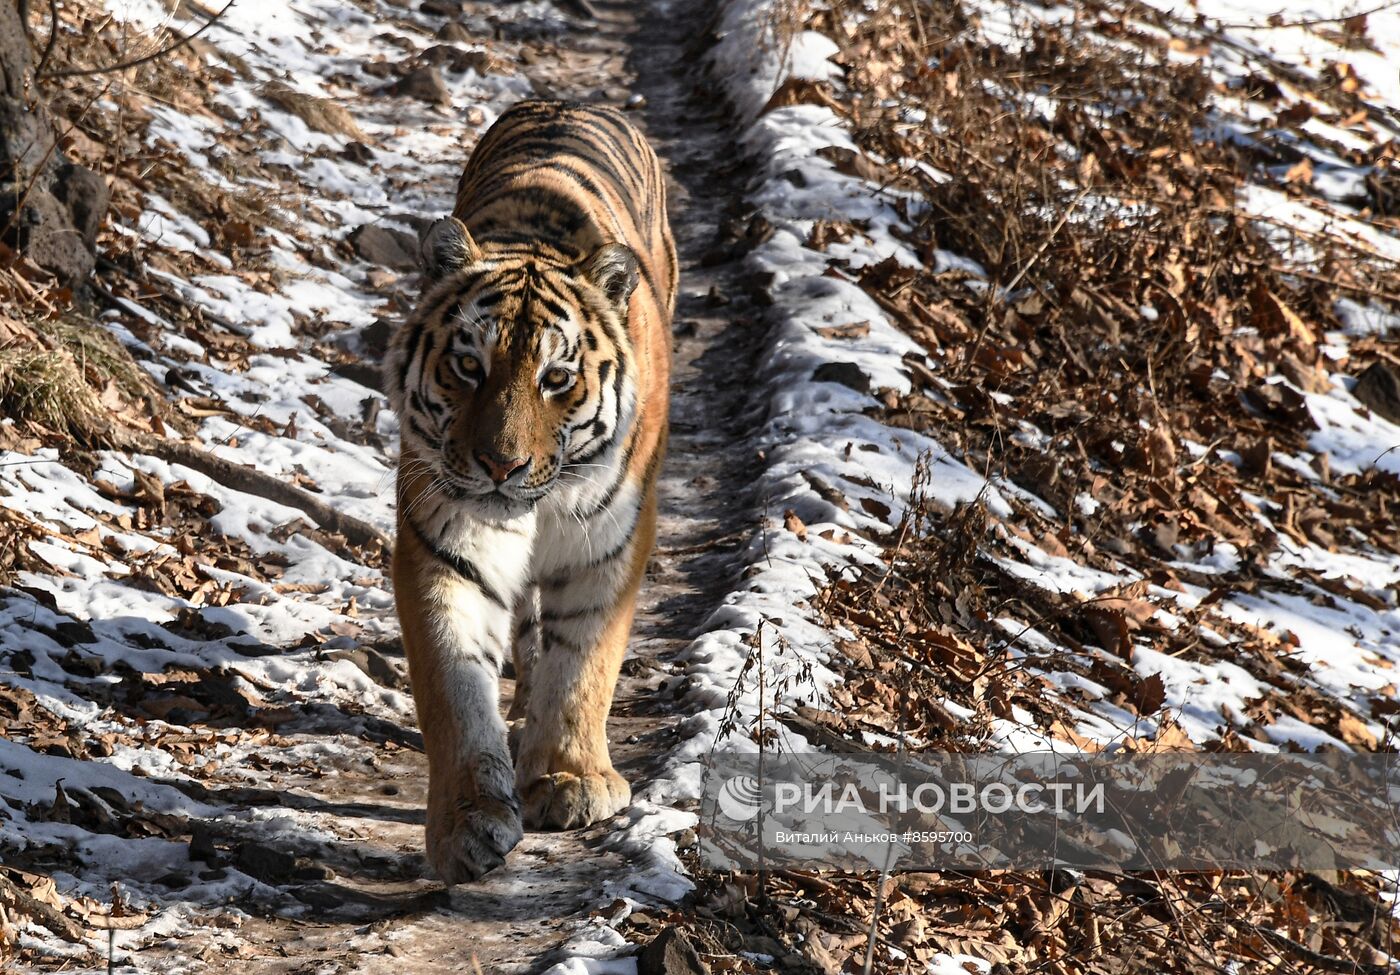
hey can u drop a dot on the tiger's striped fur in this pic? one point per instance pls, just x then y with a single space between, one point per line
531 389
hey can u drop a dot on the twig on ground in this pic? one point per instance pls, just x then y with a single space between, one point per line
53 32
1345 966
582 8
1269 24
125 304
52 919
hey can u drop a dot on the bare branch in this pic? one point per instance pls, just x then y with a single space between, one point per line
144 59
53 39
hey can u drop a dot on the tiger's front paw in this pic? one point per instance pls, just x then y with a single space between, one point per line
475 839
563 800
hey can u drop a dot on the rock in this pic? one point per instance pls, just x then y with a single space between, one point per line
1281 402
385 247
1379 388
375 337
309 870
1117 545
202 845
86 196
846 373
47 237
70 633
254 649
438 54
456 60
720 254
266 863
367 375
320 114
670 953
424 84
481 62
358 152
380 69
441 8
765 946
419 224
1162 534
374 666
45 230
324 897
454 32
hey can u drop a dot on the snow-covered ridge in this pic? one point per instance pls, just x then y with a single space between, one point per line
818 427
818 436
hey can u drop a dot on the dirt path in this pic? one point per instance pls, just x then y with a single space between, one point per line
376 912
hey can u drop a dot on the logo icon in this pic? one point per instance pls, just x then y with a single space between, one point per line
740 798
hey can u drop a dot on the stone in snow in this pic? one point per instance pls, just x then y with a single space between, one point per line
385 246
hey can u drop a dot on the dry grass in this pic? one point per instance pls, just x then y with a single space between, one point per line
45 387
320 114
54 374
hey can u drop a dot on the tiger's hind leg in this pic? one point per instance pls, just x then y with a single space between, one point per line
525 647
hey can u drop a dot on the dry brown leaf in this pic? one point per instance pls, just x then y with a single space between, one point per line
794 524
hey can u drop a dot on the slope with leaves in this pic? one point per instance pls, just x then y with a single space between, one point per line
1147 269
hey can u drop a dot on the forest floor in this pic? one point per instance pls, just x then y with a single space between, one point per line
1077 447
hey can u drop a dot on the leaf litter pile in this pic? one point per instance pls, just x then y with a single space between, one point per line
1157 308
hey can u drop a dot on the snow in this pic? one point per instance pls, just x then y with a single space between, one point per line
1369 319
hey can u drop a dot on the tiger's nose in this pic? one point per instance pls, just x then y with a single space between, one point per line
500 468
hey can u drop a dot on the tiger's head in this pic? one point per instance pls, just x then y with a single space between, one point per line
512 377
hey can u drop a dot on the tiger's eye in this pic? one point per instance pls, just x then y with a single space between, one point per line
469 364
556 378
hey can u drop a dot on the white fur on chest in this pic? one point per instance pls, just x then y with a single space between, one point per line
548 543
564 542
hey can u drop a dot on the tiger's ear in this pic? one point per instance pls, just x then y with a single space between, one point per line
613 267
446 247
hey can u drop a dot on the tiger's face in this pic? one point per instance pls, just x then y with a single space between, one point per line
511 379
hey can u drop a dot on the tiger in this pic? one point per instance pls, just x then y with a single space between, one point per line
531 385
